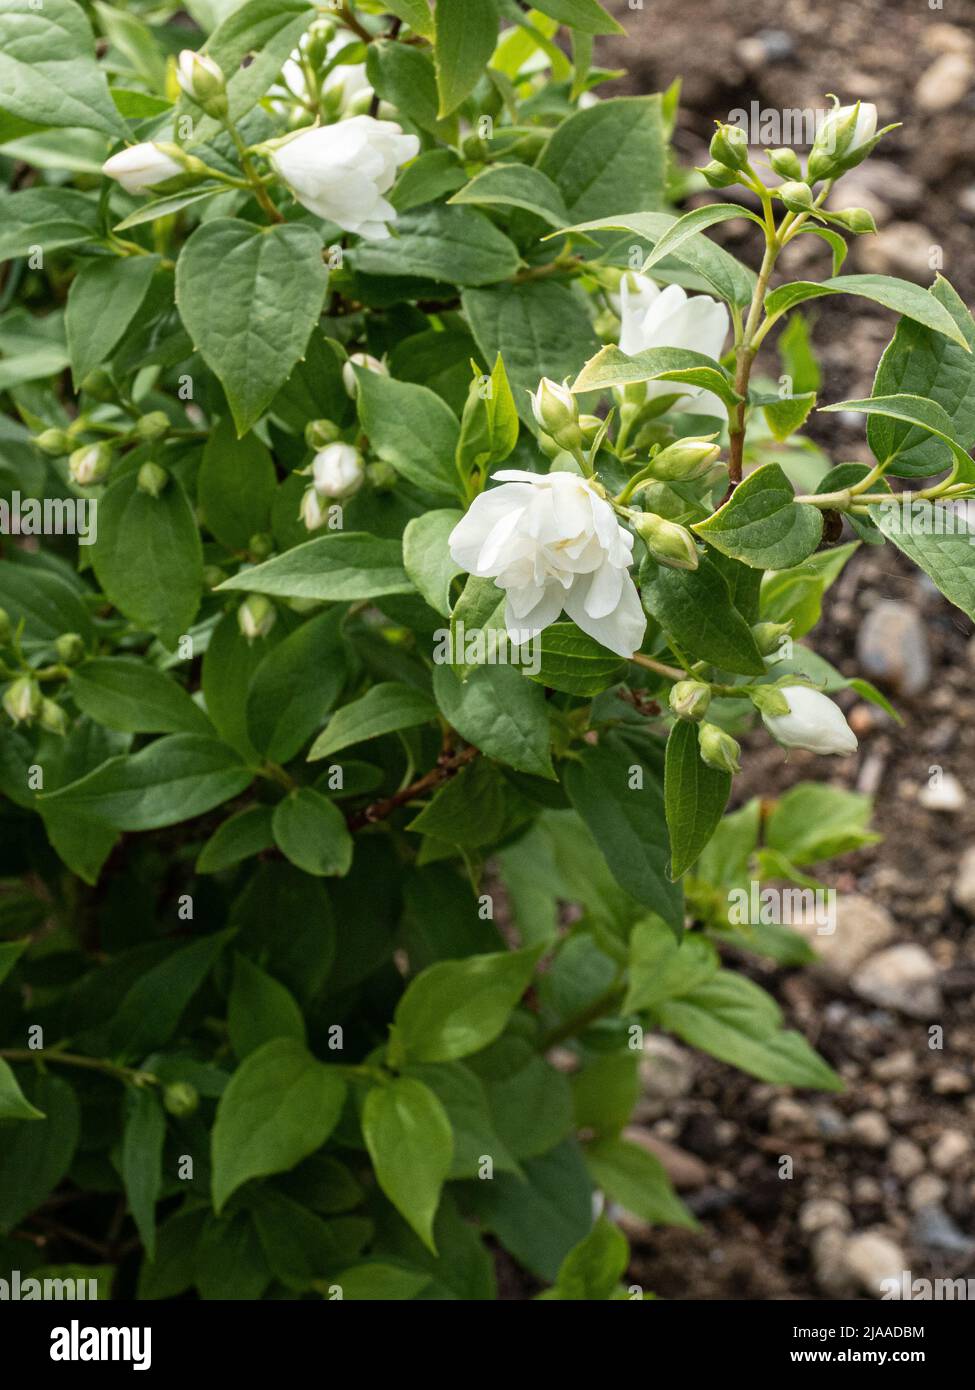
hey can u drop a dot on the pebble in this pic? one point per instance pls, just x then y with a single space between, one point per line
823 1213
862 927
870 1258
829 1264
902 977
951 1081
790 1119
898 1066
892 646
906 1159
870 1129
684 1170
945 794
926 1191
946 82
935 1230
950 1150
666 1074
903 249
963 890
767 46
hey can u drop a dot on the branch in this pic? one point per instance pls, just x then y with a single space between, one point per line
445 769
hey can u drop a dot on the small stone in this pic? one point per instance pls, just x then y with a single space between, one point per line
946 794
966 200
862 927
767 46
870 1129
935 1230
902 248
963 890
951 1081
903 977
892 646
829 1264
871 1258
898 1066
666 1074
950 1150
684 1170
946 82
823 1213
906 1159
867 1191
829 1122
789 1119
926 1191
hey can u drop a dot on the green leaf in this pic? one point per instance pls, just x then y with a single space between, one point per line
594 1268
44 602
622 804
384 709
456 1007
464 1098
501 713
311 831
788 413
948 558
166 207
900 295
10 953
415 13
611 367
148 557
346 566
14 1105
427 559
150 1011
762 525
612 152
295 686
468 810
235 486
173 779
45 217
636 1179
230 663
731 1018
141 1163
298 1245
246 833
572 661
605 1091
921 362
250 297
815 821
411 1146
432 174
378 1281
412 429
489 429
695 607
660 967
913 410
690 225
585 15
35 1157
539 329
516 186
128 695
464 39
280 1106
104 298
260 1009
404 76
48 72
695 796
457 245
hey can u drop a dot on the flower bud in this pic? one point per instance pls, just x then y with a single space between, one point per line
718 749
318 433
180 1099
90 464
6 628
690 699
556 412
260 545
729 146
22 700
382 476
368 362
99 385
312 512
686 459
844 139
718 175
590 426
140 167
796 196
668 543
856 220
203 82
256 616
768 636
70 648
53 717
152 479
320 35
813 722
152 426
213 575
786 163
338 470
53 442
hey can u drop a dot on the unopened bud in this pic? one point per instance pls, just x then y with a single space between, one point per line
685 459
844 139
260 545
53 718
90 464
203 82
256 616
152 479
320 35
382 476
556 412
718 175
690 699
366 361
180 1099
99 385
338 470
213 575
152 426
313 511
22 700
667 542
796 196
319 433
859 221
53 442
718 749
729 146
786 163
70 648
768 636
590 426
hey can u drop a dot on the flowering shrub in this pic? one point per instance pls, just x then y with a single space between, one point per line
396 542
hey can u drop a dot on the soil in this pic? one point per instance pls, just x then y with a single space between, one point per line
787 54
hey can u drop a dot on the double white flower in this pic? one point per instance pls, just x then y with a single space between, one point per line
340 172
654 318
553 544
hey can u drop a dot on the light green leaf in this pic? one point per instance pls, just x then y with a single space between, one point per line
14 1105
427 559
762 525
913 410
415 13
411 1145
260 1009
695 796
345 566
456 1007
46 217
698 220
611 367
900 295
948 558
464 39
594 1268
588 16
572 661
48 73
612 152
517 186
412 429
311 831
384 709
103 299
637 1180
166 207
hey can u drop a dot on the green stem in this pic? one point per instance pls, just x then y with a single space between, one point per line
253 178
606 1003
73 1059
659 668
748 347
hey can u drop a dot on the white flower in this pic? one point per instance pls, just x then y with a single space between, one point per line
556 411
139 167
368 363
338 470
199 76
311 511
340 172
813 722
552 543
654 318
345 82
864 129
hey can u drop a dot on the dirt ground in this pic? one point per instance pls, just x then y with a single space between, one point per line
883 1176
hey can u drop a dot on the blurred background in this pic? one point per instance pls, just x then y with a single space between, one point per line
883 1176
